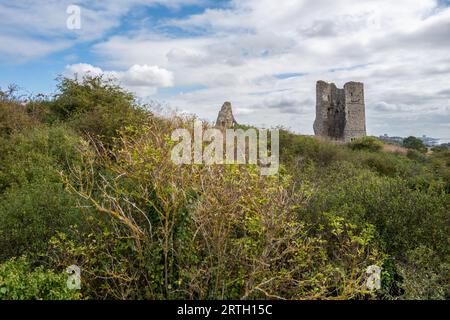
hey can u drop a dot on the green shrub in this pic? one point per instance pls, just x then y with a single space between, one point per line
416 156
37 155
31 214
14 118
142 227
96 106
383 164
33 202
366 143
415 144
441 148
209 232
79 96
295 147
404 218
425 275
440 165
104 122
19 281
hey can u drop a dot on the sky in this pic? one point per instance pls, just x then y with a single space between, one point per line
263 56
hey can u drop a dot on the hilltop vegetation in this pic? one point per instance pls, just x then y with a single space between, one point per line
86 179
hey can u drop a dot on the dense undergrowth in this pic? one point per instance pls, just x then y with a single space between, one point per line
86 179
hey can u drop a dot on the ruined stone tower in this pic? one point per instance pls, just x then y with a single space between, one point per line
340 113
225 118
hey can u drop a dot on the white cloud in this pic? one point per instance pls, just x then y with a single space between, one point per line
243 111
15 51
44 21
399 49
82 69
144 75
141 79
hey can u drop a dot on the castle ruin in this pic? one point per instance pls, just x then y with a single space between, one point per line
225 119
340 113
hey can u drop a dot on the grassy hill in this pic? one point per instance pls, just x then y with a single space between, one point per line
86 179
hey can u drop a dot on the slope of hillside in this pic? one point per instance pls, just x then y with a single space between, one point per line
86 179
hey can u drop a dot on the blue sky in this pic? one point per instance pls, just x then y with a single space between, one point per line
264 56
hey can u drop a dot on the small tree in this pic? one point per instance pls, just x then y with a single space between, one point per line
96 106
415 144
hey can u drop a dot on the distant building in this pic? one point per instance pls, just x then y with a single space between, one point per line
393 140
428 141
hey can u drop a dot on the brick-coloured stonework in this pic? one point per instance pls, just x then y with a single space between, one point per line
340 113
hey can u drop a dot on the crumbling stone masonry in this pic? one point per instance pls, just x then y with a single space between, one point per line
225 118
340 113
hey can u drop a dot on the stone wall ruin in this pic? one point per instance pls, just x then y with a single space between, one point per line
340 113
